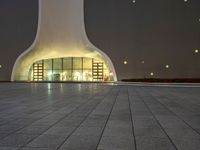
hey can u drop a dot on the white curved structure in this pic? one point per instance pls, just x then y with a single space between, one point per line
60 34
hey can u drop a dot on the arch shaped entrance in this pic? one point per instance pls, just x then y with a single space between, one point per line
69 69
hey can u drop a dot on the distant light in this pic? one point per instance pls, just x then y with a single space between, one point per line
152 74
0 66
199 19
125 62
196 51
185 0
142 62
167 66
134 1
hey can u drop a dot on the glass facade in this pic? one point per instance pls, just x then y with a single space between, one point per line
70 69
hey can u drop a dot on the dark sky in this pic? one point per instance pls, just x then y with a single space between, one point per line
160 32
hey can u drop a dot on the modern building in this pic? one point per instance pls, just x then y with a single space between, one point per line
61 50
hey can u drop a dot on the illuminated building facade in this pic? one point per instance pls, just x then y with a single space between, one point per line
61 50
69 69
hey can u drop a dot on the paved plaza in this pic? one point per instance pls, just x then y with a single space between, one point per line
66 116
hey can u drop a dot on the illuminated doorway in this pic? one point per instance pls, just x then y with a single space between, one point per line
70 69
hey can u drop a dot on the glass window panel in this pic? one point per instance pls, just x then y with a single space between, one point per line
77 63
67 63
57 64
77 75
67 75
48 64
87 63
57 75
48 75
87 75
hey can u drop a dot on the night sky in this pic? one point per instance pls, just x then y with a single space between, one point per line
148 34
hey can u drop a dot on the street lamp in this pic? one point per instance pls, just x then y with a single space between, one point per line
152 74
167 66
125 62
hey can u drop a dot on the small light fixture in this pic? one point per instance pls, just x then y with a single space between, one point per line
125 62
142 62
185 0
167 66
152 74
0 66
196 51
134 1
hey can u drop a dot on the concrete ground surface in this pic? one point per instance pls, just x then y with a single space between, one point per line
66 116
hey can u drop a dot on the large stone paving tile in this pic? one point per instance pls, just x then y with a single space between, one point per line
172 122
32 129
16 140
152 143
116 143
149 132
91 122
47 141
187 144
60 131
24 121
119 123
88 131
183 133
144 122
69 122
44 122
117 131
81 142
